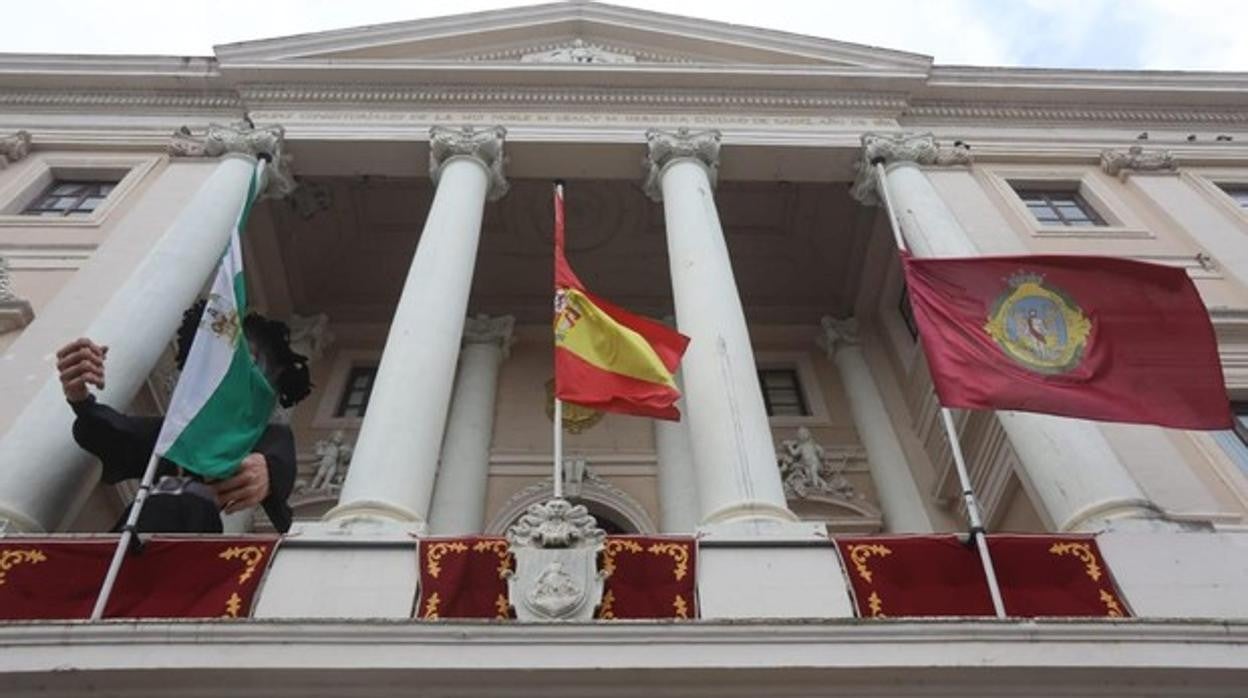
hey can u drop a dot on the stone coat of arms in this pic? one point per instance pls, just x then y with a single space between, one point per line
556 547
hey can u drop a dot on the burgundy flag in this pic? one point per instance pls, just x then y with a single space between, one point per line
1090 337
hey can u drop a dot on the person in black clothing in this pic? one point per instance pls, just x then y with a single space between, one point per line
183 503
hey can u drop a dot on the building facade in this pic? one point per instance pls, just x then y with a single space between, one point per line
717 174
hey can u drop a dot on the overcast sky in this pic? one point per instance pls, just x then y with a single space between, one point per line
1149 34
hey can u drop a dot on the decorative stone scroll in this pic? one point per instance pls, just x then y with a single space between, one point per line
239 137
483 329
485 145
921 149
667 146
14 148
15 312
837 334
1119 164
556 547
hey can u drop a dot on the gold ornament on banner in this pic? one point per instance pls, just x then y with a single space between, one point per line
576 418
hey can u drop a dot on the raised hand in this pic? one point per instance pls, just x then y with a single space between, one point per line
80 365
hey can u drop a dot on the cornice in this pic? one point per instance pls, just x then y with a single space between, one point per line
1165 112
271 95
126 99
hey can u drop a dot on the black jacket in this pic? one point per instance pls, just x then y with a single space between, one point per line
124 443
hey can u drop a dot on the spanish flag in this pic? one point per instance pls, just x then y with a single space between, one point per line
606 357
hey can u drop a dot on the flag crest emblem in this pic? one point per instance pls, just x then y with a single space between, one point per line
1038 325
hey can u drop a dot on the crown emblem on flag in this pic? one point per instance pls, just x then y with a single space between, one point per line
1038 325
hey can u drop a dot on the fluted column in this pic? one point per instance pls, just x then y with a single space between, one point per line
44 476
904 511
733 453
1082 484
396 455
459 493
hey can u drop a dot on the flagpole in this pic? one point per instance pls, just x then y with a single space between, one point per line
978 533
127 535
557 472
128 531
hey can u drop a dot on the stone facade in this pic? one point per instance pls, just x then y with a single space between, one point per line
729 176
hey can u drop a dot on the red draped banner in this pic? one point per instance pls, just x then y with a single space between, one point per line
647 577
940 576
57 579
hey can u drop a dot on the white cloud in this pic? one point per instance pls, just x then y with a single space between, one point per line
1167 34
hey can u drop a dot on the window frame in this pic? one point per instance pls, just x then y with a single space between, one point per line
1093 186
357 370
809 384
803 404
335 386
36 173
87 189
1049 199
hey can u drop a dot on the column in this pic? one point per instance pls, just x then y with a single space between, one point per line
44 476
459 492
904 510
733 453
396 454
677 480
1070 465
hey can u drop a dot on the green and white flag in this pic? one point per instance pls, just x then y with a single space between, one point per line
222 402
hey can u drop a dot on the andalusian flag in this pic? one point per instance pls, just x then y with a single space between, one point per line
606 357
222 402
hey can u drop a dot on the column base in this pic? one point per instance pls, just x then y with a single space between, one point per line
1124 515
13 522
763 512
365 515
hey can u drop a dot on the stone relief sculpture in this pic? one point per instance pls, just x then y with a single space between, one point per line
310 335
806 471
333 455
578 52
556 546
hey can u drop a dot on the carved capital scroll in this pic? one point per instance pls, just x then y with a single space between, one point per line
483 329
483 145
240 137
886 148
665 147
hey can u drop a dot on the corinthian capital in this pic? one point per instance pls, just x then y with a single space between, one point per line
1119 164
483 329
485 146
14 148
887 148
666 146
837 334
240 137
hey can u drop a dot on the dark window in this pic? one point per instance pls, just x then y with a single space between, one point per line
355 396
65 197
1060 207
782 392
1239 193
907 313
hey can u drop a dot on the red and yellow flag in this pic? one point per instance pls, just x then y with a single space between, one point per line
606 357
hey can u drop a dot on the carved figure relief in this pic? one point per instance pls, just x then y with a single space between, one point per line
807 471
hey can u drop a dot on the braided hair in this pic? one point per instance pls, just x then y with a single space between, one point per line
290 376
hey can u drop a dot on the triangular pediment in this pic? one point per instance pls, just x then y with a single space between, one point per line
573 33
